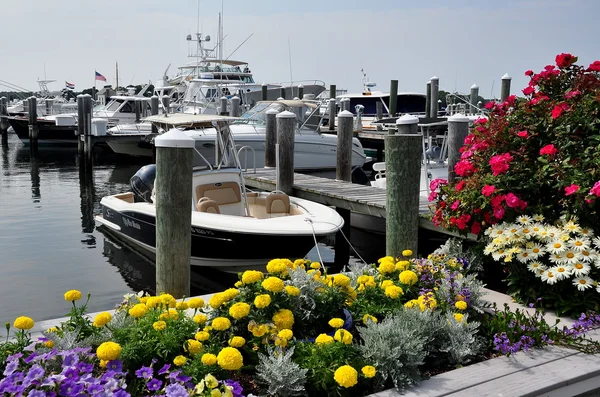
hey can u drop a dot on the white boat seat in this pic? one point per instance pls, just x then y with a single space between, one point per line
222 193
205 204
277 204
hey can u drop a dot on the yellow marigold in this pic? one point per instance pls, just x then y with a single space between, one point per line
298 263
103 363
195 303
171 314
200 318
262 301
108 351
23 322
139 310
461 305
368 371
193 346
237 341
230 358
407 253
386 259
49 344
159 325
230 293
181 305
394 292
412 303
408 277
72 295
286 334
238 284
216 300
402 265
351 293
143 299
346 376
221 323
458 317
386 283
239 310
258 330
168 300
279 266
52 329
281 342
209 359
367 317
315 265
102 319
252 276
284 318
153 301
323 339
202 336
341 335
341 280
292 291
386 267
336 322
273 284
179 361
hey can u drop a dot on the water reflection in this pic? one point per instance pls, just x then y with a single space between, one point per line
86 194
36 194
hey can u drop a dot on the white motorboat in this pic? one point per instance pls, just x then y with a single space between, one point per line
232 228
312 150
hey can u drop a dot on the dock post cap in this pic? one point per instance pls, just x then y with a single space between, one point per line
86 96
235 96
300 86
264 84
166 96
458 118
434 78
345 113
332 99
474 86
154 96
407 119
174 139
272 111
296 98
223 97
506 77
286 114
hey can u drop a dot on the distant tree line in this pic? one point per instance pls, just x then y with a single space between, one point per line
72 94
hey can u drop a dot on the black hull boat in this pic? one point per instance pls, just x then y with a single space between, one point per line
48 132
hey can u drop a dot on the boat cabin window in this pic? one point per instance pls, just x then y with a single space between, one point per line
113 105
128 107
258 113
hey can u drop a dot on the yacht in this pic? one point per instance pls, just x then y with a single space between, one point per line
232 228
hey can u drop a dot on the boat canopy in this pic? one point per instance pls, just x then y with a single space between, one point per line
188 121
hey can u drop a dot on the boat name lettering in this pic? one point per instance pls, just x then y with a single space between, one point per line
202 232
130 223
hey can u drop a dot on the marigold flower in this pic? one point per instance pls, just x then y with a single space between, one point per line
72 295
230 358
159 325
367 317
103 363
168 300
292 291
407 253
193 346
221 323
286 334
49 344
346 376
458 317
202 336
368 371
315 265
411 303
153 301
387 267
336 322
461 305
386 283
216 300
402 265
323 339
209 359
237 341
252 276
195 303
52 329
180 361
181 305
23 323
200 318
262 301
284 318
394 292
343 336
273 284
279 266
239 310
171 314
258 330
108 351
341 280
102 319
408 277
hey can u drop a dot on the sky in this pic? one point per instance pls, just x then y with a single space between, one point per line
463 42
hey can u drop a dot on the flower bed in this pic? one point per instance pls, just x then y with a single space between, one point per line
283 332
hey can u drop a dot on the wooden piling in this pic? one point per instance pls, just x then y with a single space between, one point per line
407 124
301 91
223 107
138 110
458 129
435 86
80 125
33 126
282 92
286 131
264 92
174 156
166 102
154 111
343 172
358 126
428 100
473 98
236 110
403 155
87 127
270 138
393 97
345 104
379 113
332 109
3 116
505 88
332 91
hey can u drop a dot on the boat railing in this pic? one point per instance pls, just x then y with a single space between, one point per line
245 149
296 83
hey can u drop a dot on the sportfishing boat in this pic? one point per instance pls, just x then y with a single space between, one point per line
232 227
312 150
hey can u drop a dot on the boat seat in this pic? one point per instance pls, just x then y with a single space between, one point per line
277 204
222 193
205 204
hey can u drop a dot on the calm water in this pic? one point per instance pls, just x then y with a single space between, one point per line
49 242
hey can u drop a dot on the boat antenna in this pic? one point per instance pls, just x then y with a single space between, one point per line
238 47
492 91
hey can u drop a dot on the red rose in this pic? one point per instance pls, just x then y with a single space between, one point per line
594 67
475 228
455 205
565 60
528 90
487 190
569 190
460 185
548 150
595 190
512 200
489 105
500 163
497 200
499 213
464 168
558 110
529 73
522 134
572 94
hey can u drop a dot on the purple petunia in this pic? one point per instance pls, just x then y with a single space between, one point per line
145 372
236 388
154 384
164 369
115 365
176 390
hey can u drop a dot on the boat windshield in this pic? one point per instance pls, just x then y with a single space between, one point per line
257 115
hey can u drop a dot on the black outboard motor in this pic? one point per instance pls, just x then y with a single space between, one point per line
142 183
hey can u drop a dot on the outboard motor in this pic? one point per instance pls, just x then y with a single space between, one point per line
142 183
359 176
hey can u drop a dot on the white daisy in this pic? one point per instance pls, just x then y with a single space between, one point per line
536 250
587 256
582 283
579 244
535 266
558 259
540 271
572 227
524 219
527 232
571 257
538 218
489 249
497 231
524 256
585 232
556 247
561 271
596 242
581 269
497 255
549 277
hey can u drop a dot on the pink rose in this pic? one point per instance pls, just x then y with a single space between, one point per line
455 205
434 184
594 67
499 213
464 168
487 190
522 134
528 90
595 190
569 190
512 201
548 150
572 94
460 185
500 163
